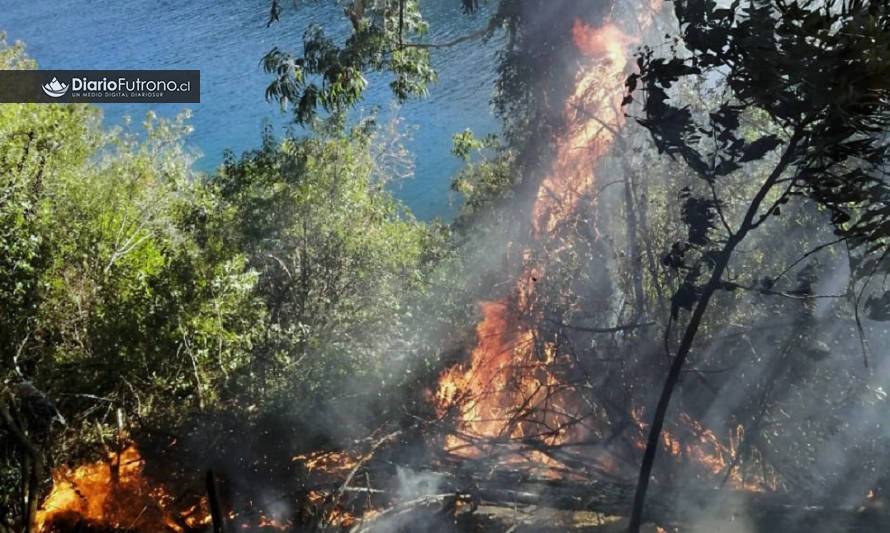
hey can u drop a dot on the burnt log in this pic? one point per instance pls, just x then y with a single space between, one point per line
676 507
672 507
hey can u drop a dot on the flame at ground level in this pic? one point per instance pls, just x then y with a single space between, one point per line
497 391
509 389
113 493
513 388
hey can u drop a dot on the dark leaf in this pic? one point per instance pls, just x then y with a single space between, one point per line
759 148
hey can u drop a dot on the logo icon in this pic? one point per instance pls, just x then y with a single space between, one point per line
55 88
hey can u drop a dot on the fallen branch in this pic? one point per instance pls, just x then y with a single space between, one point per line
667 506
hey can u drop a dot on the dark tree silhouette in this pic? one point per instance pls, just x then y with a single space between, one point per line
819 70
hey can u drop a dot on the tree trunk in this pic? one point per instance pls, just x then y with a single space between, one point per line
713 284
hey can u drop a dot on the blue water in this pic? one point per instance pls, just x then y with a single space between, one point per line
225 40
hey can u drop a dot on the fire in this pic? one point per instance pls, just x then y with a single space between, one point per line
332 462
335 516
501 343
593 113
331 466
704 449
509 389
697 447
703 446
112 493
607 41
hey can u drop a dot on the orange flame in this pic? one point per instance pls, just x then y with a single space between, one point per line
708 454
509 390
593 114
332 462
114 494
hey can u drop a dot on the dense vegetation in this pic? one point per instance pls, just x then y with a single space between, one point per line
136 293
728 259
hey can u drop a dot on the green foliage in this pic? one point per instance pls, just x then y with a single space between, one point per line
488 176
337 259
332 77
809 67
134 292
116 286
465 143
109 301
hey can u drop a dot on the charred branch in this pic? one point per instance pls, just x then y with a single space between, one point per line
766 512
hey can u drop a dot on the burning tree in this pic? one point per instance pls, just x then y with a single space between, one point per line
728 246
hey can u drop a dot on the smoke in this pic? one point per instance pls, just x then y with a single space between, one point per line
775 405
413 485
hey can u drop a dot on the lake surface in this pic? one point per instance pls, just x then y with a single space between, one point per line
226 40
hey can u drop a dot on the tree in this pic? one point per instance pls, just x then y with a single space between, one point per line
811 68
139 297
108 297
336 257
332 77
388 36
